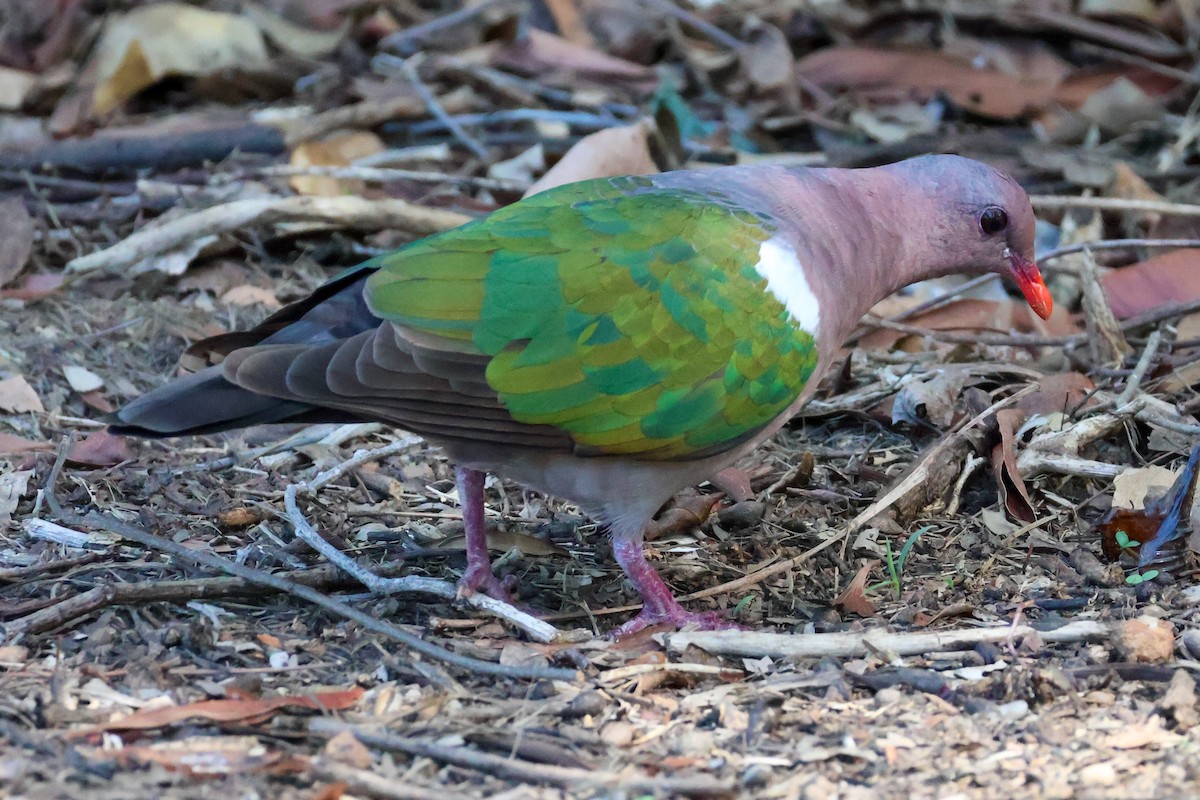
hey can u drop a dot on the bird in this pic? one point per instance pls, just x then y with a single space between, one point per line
612 341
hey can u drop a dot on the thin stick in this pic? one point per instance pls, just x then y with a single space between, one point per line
534 627
1112 244
386 174
1139 371
1116 204
400 41
755 644
95 519
409 69
630 781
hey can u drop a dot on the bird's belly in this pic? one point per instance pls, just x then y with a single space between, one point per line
625 493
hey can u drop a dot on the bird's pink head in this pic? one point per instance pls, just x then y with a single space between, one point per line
983 222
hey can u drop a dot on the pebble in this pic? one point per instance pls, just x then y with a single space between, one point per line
1145 640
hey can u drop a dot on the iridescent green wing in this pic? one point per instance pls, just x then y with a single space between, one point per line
631 317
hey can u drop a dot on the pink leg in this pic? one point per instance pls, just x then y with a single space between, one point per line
658 602
479 576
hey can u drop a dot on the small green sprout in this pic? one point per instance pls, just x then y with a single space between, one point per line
1126 544
1141 577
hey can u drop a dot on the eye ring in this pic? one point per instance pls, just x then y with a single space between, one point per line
993 220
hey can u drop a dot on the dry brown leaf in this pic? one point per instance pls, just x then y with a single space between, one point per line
335 150
1135 484
1063 392
247 295
1009 482
152 42
687 511
545 54
11 444
503 541
896 75
212 756
613 151
853 598
13 486
766 57
100 449
345 748
1166 279
15 86
1121 105
570 23
249 711
931 401
18 397
299 40
16 238
34 287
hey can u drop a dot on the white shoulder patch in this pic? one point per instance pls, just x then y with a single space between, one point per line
778 263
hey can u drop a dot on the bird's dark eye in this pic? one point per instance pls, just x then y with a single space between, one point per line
993 220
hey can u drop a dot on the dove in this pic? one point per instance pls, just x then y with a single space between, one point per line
612 341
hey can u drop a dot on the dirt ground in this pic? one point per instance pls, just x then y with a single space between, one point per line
935 541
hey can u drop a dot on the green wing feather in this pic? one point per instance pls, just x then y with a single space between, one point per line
631 317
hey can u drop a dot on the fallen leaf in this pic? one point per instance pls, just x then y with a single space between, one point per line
1009 483
1134 484
82 380
521 167
155 41
552 58
687 511
338 149
1121 105
100 449
623 150
1063 393
34 287
18 397
503 541
11 445
15 86
249 711
299 40
16 238
247 295
13 486
883 75
345 748
1167 279
853 598
766 56
212 756
930 401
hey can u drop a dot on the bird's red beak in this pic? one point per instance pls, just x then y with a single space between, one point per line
1029 279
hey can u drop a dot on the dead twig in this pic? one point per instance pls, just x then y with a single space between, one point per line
756 644
343 211
125 530
631 781
1116 204
535 628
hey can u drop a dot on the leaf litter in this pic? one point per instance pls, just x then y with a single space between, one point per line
1086 104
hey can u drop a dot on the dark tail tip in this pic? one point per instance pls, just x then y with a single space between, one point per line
201 403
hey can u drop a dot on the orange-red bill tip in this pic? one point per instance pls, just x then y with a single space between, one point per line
1029 279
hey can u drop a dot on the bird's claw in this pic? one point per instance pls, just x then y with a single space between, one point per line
480 578
679 617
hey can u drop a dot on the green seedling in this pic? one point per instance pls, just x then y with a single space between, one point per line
895 563
1127 545
1141 577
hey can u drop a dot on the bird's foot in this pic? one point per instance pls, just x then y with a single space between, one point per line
678 617
480 578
